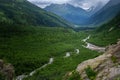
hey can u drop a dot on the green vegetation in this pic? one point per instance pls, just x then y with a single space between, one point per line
114 59
27 41
28 48
22 12
91 73
2 77
75 76
107 34
61 66
117 78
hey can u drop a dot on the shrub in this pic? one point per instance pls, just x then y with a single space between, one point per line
91 73
75 76
114 59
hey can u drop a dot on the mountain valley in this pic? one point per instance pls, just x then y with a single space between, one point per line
44 44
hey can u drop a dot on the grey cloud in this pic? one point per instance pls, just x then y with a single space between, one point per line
78 3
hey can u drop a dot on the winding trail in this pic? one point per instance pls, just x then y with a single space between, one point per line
21 77
92 46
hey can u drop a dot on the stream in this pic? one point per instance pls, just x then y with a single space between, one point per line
21 77
92 46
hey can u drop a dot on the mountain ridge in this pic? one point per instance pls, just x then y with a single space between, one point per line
73 14
109 11
95 17
16 12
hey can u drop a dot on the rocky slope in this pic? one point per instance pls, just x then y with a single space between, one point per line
105 67
6 71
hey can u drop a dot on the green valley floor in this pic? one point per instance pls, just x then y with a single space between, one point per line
29 48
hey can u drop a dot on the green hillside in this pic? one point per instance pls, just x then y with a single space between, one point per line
22 12
107 34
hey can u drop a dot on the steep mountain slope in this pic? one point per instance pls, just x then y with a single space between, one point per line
109 11
73 14
22 12
108 33
112 3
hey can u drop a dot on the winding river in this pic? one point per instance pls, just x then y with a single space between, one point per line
92 46
21 77
88 45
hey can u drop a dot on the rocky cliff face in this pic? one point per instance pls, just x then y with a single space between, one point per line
6 71
104 67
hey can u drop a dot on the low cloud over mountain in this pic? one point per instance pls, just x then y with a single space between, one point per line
85 4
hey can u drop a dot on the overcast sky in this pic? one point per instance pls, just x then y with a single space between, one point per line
85 4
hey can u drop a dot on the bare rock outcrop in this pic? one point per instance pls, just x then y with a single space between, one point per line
106 66
7 70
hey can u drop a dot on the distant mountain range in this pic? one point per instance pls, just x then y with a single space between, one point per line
110 10
22 12
73 14
16 12
79 16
